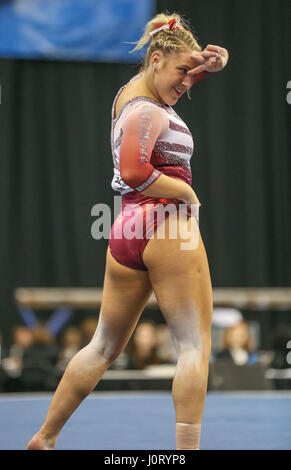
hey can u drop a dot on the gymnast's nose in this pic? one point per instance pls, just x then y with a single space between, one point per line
187 81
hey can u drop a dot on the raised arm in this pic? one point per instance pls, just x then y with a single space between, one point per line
211 59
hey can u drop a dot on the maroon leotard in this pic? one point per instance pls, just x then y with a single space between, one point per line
147 139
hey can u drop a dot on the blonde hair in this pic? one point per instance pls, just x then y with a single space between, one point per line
166 40
248 343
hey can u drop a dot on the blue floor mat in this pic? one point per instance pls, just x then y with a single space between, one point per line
146 421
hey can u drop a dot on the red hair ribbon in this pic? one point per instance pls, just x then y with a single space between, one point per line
171 25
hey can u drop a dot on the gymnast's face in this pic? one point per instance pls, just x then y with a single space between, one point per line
170 79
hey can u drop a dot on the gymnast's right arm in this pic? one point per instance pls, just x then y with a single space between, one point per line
142 126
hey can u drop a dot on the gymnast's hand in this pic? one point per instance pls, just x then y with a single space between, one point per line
190 197
211 59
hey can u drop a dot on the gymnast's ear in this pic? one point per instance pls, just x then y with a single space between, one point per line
156 58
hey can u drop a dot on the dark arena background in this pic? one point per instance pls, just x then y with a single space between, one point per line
61 65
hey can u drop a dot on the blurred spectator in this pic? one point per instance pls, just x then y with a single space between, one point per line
144 346
280 343
39 360
280 366
88 327
165 348
70 343
1 347
238 345
1 370
12 364
225 317
22 337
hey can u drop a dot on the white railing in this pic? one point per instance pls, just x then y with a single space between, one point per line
278 298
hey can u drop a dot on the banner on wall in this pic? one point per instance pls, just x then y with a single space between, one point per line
90 30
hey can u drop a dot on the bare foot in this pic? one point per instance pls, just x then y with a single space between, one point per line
39 442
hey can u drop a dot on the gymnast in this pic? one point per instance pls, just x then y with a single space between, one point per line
151 148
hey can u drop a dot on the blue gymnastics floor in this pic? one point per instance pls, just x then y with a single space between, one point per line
146 420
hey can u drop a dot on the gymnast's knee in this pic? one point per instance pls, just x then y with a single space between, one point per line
105 349
106 343
196 355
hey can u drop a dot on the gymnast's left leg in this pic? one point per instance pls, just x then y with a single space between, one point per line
125 294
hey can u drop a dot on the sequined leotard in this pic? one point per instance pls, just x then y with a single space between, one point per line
147 139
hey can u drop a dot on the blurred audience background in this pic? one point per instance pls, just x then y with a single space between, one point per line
71 341
36 358
238 345
143 348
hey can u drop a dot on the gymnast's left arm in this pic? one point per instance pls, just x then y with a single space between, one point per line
211 59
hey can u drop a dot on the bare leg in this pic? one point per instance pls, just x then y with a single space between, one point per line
182 284
125 294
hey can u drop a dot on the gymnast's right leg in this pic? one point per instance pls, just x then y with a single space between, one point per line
181 281
125 294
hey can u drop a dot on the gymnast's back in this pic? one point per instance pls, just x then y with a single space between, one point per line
158 140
